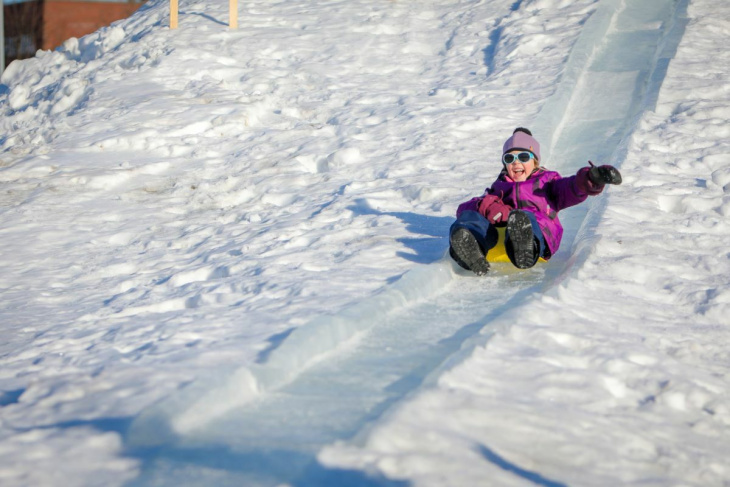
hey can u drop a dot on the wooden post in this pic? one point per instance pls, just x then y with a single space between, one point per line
233 14
173 14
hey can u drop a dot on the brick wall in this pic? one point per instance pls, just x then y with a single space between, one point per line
64 19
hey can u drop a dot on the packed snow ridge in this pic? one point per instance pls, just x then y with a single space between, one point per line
224 251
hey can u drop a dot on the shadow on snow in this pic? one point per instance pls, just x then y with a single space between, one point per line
432 231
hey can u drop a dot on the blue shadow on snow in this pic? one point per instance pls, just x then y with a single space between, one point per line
273 467
433 230
274 342
10 397
505 464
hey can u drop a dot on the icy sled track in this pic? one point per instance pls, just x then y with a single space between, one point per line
329 379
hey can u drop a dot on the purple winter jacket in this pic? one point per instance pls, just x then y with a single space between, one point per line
544 193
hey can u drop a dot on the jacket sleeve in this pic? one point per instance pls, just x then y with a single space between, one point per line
471 205
493 192
573 190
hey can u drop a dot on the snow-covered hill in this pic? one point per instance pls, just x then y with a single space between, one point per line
229 245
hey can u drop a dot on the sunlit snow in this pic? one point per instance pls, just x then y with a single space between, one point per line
224 254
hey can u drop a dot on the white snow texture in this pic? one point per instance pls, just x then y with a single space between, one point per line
224 251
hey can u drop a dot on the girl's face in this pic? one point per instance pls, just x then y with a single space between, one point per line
518 170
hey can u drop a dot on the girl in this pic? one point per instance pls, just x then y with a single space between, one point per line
526 198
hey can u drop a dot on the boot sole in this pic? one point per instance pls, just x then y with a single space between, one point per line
467 249
520 233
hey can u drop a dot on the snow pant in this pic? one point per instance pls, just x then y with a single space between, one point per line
486 234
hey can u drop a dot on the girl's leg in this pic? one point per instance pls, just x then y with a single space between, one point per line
524 241
470 237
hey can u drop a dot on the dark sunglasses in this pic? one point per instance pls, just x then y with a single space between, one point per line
519 157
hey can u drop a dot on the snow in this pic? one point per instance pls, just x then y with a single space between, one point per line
223 253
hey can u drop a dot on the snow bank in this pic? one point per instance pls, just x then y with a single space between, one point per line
44 90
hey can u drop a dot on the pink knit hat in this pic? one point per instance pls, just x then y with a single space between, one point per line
522 139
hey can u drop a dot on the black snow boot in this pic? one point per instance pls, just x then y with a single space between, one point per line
465 250
522 247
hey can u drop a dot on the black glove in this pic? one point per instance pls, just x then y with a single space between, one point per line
600 175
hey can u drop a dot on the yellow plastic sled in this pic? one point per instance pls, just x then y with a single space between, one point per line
498 253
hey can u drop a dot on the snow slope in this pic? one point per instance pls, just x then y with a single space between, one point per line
179 205
282 392
619 375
